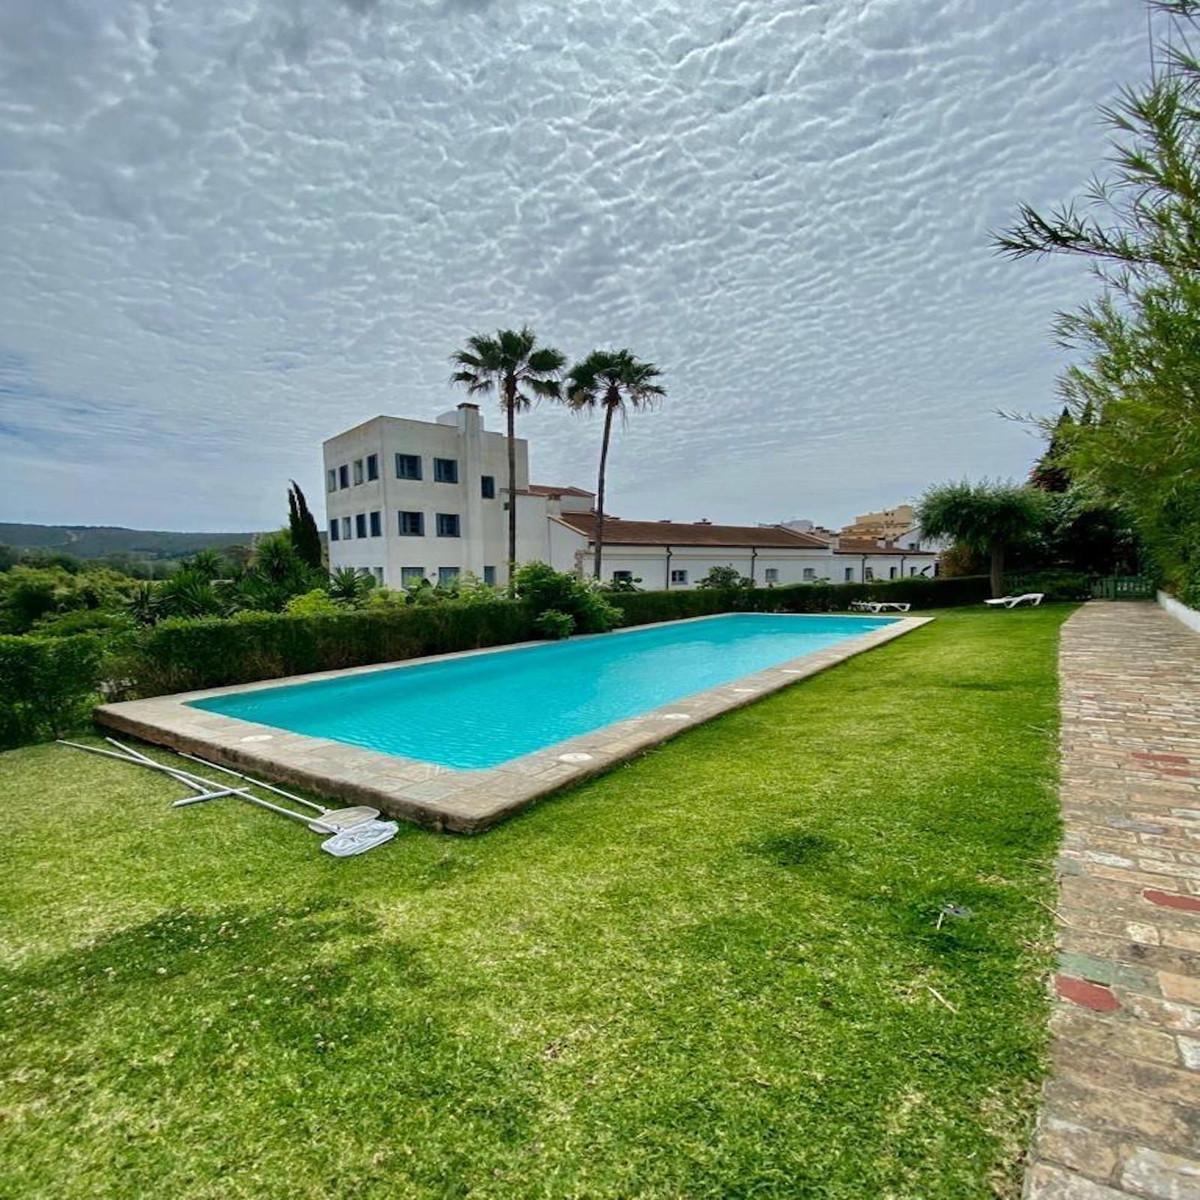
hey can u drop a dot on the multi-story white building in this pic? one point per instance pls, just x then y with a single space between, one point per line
409 500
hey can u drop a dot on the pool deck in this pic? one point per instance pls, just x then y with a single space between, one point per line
443 798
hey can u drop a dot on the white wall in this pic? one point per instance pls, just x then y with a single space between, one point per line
457 435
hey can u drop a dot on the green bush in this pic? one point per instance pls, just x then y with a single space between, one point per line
1055 584
47 685
644 608
186 654
554 625
540 587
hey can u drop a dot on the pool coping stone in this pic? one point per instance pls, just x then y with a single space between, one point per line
445 798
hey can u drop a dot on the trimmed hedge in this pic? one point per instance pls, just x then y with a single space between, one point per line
644 608
181 655
47 685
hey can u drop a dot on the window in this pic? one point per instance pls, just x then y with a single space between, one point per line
487 486
373 467
411 524
678 576
489 576
376 519
411 575
445 470
358 471
848 574
332 484
868 574
447 524
333 530
346 534
408 466
360 525
891 572
912 571
622 577
771 574
447 575
343 476
378 573
808 576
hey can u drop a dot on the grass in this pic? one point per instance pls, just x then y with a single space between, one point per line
716 972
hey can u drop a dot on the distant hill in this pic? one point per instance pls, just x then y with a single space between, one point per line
98 541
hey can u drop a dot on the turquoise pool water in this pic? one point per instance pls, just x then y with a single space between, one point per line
485 709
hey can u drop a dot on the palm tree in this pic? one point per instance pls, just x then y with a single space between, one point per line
521 372
618 383
984 517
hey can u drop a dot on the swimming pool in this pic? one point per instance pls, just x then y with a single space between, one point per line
480 710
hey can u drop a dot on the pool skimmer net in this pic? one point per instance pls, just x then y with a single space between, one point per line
352 830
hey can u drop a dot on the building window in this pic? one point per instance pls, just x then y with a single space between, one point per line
891 572
447 575
411 575
848 574
332 485
678 576
377 524
622 577
358 471
343 476
346 534
411 524
447 524
771 574
489 576
372 466
408 466
868 574
445 470
360 525
809 575
487 486
378 573
333 530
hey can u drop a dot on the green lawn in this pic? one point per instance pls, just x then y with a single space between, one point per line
716 972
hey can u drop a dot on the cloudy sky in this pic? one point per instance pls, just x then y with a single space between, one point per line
230 229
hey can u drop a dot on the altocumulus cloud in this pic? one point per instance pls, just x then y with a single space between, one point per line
228 230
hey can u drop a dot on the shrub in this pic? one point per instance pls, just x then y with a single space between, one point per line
644 608
84 620
1056 584
187 654
47 685
554 624
540 587
725 579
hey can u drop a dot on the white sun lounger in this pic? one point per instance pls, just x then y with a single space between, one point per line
878 606
1033 599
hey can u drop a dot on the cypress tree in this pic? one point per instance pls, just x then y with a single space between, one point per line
306 540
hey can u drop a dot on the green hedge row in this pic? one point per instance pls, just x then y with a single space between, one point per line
182 655
644 608
47 685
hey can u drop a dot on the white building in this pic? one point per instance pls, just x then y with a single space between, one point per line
409 500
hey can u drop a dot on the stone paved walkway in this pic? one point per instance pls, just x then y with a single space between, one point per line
1121 1111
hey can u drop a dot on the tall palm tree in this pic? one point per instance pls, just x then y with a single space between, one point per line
520 371
618 383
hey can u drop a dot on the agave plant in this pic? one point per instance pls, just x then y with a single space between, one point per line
348 587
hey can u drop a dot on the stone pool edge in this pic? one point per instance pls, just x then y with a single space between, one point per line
444 798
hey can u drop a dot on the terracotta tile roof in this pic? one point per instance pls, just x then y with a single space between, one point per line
545 489
671 533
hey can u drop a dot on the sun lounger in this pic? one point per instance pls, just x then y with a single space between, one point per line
879 606
1033 599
